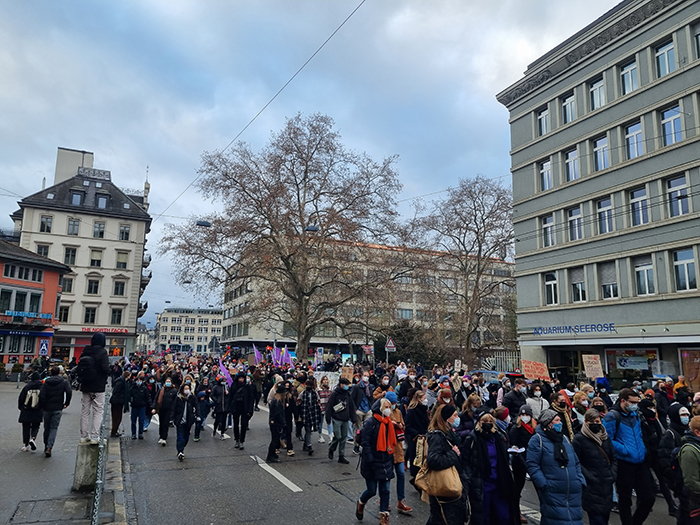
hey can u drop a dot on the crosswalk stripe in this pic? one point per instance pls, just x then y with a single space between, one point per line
267 468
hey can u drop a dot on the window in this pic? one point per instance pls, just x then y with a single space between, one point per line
93 287
597 93
628 78
545 175
76 198
50 196
550 288
204 321
548 231
568 108
163 328
164 320
601 159
605 224
63 314
69 256
42 249
127 205
90 314
578 285
9 270
404 313
543 122
638 206
29 345
98 231
67 285
46 222
73 226
95 258
644 275
684 269
665 59
119 287
116 316
122 258
677 196
608 279
124 230
34 303
575 226
102 201
571 165
633 140
697 40
671 125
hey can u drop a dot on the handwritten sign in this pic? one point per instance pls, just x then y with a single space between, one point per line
347 373
535 370
592 365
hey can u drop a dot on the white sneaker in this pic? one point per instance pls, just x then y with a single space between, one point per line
32 444
25 449
321 440
85 440
162 442
94 441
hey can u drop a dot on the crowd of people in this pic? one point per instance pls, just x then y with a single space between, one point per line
584 449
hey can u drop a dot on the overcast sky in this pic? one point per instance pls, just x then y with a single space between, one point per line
156 83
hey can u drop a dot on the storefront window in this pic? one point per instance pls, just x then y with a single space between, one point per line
630 364
691 367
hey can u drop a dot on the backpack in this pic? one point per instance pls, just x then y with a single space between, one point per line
31 400
674 476
86 369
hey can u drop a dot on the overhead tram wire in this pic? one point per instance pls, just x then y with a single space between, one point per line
266 105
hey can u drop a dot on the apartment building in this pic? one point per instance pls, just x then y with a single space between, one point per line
605 151
97 229
182 329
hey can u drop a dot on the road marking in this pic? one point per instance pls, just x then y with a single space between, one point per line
531 514
287 483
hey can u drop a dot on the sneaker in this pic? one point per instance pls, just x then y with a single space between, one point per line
256 409
351 440
272 460
32 444
145 429
237 445
310 451
163 442
140 436
321 440
195 439
133 436
95 441
356 450
342 460
240 447
290 452
47 452
25 448
180 456
85 440
222 437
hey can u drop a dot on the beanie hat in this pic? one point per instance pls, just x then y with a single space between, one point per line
391 397
444 378
35 376
447 411
547 417
504 414
525 410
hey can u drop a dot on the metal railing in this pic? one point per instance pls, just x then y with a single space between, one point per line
101 462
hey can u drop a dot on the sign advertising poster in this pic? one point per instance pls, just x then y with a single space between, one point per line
535 370
691 368
632 362
347 372
592 365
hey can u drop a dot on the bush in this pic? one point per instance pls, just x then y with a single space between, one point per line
17 368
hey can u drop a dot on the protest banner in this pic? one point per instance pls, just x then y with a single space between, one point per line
535 370
592 365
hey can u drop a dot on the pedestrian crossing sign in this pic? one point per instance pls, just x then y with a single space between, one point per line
43 347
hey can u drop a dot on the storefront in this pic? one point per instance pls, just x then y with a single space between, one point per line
118 342
690 361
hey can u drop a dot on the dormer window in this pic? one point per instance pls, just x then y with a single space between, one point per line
86 183
76 198
127 205
102 201
50 196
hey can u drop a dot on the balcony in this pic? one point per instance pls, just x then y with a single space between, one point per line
146 260
23 322
146 278
142 308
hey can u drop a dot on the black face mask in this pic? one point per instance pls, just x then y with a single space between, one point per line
595 427
487 427
599 407
562 404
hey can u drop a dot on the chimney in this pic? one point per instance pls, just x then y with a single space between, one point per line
69 160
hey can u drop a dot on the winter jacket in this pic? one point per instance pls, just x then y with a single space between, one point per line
29 415
241 398
538 405
55 394
671 439
276 418
513 400
340 395
140 396
218 397
626 436
165 400
689 460
440 457
416 425
376 465
559 489
466 425
102 369
407 385
662 405
120 392
599 467
357 392
187 408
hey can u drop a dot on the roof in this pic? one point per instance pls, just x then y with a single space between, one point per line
119 204
12 252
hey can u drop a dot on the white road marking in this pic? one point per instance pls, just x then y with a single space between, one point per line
531 514
287 483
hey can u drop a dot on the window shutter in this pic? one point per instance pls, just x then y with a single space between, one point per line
642 260
607 273
576 275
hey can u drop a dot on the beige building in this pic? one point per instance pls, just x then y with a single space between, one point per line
183 329
85 221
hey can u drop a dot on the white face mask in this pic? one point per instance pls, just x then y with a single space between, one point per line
365 379
186 391
386 412
584 403
412 378
507 420
385 381
525 419
538 393
425 401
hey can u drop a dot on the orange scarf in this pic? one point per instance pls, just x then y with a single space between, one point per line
384 443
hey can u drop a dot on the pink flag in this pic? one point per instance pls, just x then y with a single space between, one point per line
258 357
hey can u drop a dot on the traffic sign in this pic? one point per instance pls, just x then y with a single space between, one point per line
43 347
390 346
368 349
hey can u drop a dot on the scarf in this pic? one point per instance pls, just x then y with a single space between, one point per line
598 437
557 438
527 427
566 419
386 438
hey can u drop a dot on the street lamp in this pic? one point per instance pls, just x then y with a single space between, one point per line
203 224
312 228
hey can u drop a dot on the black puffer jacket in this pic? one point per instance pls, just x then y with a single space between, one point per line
599 467
662 405
339 395
140 396
120 392
219 397
29 415
440 457
97 352
671 440
189 407
241 397
165 400
376 465
513 400
55 393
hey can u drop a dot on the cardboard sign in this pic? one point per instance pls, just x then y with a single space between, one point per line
332 378
592 365
458 364
347 372
169 358
194 360
535 370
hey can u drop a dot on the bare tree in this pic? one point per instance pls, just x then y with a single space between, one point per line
299 219
472 231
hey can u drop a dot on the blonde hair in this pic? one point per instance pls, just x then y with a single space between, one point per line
491 417
416 400
470 403
580 396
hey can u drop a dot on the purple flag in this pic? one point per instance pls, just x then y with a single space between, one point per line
287 356
258 357
277 356
225 372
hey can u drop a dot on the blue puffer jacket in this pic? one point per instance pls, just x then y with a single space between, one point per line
559 488
626 437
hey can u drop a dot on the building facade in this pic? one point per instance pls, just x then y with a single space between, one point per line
183 329
605 151
99 230
30 292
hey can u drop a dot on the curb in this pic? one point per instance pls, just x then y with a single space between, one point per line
114 485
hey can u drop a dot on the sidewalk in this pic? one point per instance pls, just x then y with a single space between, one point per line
35 489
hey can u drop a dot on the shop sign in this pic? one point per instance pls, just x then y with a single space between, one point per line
632 363
13 313
574 329
105 330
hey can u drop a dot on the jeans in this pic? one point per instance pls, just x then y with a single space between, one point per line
117 414
29 431
183 436
384 493
400 469
240 426
340 431
307 435
140 414
164 421
51 422
598 519
635 476
92 406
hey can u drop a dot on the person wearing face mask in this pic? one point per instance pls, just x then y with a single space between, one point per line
503 390
417 422
241 405
324 392
383 387
310 410
465 390
185 413
581 405
663 403
555 471
679 418
562 406
119 400
410 382
443 453
599 405
378 445
163 405
140 400
599 467
399 460
519 436
536 401
517 397
340 411
486 463
219 397
361 393
689 461
623 426
154 388
502 417
444 398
